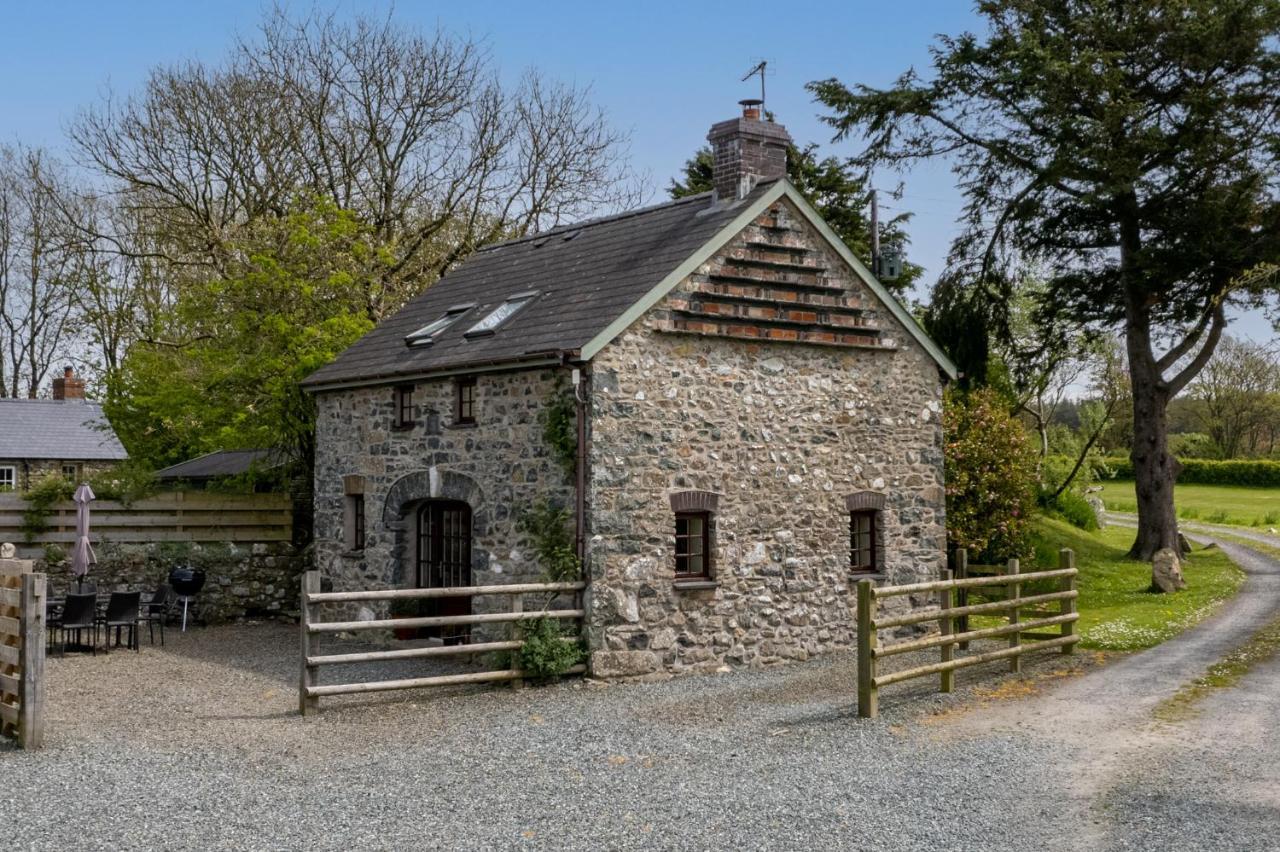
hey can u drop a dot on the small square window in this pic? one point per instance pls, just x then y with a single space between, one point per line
465 413
8 478
404 407
862 541
693 545
71 471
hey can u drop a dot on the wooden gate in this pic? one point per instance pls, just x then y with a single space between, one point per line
22 647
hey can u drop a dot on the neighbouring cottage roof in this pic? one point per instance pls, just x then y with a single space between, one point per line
592 280
218 463
70 430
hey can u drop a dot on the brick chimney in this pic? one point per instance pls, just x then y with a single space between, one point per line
68 386
747 151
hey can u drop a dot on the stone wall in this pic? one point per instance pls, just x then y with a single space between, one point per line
499 466
242 580
783 432
31 471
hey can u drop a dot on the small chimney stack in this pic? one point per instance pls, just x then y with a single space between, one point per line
68 386
747 151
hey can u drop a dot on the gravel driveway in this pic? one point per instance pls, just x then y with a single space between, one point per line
199 745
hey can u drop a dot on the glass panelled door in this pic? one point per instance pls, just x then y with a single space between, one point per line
444 561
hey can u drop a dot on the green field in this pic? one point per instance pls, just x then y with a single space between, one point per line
1214 504
1117 612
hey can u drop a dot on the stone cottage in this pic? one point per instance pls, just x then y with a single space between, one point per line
759 422
67 435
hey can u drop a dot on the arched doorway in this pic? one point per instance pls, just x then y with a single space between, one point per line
444 561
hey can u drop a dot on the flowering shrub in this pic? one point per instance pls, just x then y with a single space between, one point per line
991 477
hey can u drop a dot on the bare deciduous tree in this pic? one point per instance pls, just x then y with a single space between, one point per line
412 132
1236 396
40 266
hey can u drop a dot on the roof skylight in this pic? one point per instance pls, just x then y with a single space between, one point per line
499 315
426 335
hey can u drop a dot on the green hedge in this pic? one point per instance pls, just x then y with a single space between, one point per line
1257 473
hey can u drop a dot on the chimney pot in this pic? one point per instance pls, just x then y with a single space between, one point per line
746 151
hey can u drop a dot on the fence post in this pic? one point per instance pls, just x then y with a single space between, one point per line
868 697
1014 592
962 595
31 664
948 650
310 583
1067 559
517 633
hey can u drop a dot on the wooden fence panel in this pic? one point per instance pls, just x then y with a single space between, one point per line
22 653
179 516
954 631
309 688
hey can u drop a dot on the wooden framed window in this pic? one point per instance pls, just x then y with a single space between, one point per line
71 471
693 545
8 478
353 520
862 540
465 409
404 407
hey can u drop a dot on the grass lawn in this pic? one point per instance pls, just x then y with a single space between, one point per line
1215 504
1117 613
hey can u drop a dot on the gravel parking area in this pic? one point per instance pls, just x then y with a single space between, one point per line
199 745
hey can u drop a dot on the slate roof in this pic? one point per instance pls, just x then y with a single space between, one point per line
587 275
217 463
70 430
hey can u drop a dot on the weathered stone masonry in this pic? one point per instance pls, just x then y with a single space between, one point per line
499 466
784 432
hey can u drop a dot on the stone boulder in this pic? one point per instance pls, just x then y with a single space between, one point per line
1166 572
8 551
1099 509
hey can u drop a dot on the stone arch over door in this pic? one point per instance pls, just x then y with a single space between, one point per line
399 514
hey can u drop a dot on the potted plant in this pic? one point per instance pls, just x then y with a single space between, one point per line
405 608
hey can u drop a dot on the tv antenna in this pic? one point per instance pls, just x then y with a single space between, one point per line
759 68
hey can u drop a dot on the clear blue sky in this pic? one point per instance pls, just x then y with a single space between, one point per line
665 71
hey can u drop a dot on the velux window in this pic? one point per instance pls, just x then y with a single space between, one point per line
499 315
427 335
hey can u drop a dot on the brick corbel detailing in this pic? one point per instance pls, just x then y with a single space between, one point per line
861 501
695 501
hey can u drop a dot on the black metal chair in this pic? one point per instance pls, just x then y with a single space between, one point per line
123 611
156 611
79 613
52 618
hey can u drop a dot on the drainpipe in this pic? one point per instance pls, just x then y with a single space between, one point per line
580 468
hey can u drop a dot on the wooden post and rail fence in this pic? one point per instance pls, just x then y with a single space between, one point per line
954 630
310 690
22 648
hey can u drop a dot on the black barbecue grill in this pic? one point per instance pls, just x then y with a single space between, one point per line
186 583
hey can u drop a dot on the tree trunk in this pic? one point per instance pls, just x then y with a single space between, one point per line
1154 469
